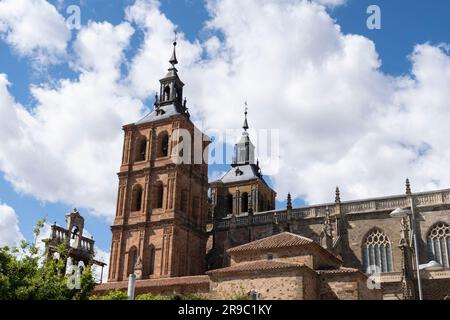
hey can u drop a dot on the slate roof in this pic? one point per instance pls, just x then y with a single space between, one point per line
339 271
281 240
244 173
168 111
260 265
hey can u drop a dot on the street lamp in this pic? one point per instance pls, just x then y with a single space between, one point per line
403 213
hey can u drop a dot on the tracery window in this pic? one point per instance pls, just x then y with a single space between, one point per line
438 243
377 252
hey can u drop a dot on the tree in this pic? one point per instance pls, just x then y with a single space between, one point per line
27 274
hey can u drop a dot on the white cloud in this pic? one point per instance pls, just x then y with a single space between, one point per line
342 120
10 234
68 148
331 3
35 29
103 256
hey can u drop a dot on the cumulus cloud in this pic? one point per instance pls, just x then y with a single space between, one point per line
35 29
341 120
68 148
10 234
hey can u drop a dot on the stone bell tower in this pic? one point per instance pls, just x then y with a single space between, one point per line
241 192
160 225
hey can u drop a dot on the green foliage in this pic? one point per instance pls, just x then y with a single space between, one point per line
174 296
149 296
26 275
111 295
239 296
122 295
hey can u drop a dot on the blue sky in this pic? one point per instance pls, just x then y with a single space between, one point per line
404 25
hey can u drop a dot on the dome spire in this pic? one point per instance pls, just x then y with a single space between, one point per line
245 126
173 60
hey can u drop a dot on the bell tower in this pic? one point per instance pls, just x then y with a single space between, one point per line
242 191
160 225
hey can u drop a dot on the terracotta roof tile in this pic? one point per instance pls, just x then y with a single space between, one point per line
281 240
340 270
260 265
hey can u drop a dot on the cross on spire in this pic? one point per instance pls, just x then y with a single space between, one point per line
245 126
173 60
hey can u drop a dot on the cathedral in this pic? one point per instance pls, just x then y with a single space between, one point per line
177 231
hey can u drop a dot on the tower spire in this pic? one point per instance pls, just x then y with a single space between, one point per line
245 126
245 150
173 60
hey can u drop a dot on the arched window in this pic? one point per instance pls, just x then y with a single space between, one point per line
244 204
230 203
132 258
163 144
438 243
136 198
377 252
175 90
166 93
158 195
141 149
151 260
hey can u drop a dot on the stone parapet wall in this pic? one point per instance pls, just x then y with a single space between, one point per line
424 200
179 285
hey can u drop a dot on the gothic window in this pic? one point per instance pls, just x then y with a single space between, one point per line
377 252
163 144
166 93
230 203
438 243
132 258
158 195
141 149
136 198
244 205
152 260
